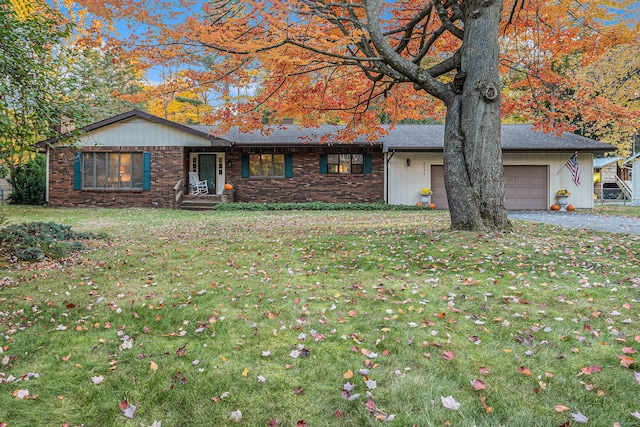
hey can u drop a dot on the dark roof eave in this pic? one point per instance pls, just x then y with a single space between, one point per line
301 145
505 150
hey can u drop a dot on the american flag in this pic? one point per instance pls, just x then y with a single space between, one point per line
572 165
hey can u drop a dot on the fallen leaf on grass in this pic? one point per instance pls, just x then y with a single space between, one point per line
98 379
450 403
478 384
524 371
626 361
579 418
447 355
628 350
156 424
180 351
301 423
348 374
636 414
128 410
153 366
20 394
560 408
236 416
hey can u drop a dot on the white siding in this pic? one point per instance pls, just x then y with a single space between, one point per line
141 132
635 183
405 181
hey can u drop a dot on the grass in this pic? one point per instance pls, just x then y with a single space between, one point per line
617 209
185 314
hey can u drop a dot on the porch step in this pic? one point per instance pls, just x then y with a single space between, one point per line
203 203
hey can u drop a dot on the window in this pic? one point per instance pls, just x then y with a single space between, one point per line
266 165
117 171
345 163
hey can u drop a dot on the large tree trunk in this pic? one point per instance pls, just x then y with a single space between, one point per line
474 176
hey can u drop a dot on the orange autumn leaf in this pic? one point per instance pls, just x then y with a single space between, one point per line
626 361
524 371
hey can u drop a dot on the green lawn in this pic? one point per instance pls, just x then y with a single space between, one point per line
319 319
617 209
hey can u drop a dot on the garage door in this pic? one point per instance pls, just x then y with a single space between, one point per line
525 187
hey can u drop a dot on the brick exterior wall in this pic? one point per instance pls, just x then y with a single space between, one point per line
307 183
167 167
169 164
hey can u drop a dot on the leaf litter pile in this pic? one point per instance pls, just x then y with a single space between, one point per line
316 318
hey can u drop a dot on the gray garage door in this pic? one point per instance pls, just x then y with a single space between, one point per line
525 187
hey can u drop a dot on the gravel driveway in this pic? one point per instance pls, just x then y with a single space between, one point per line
605 223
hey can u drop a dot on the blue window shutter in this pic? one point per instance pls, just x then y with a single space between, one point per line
77 171
245 165
367 164
288 165
146 180
323 163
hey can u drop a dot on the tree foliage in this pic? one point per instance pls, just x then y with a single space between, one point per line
107 84
28 181
178 98
34 75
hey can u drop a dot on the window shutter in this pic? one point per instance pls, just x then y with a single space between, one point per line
323 163
245 165
288 165
146 180
77 171
367 164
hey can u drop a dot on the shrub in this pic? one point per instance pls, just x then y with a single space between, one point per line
29 181
313 206
36 240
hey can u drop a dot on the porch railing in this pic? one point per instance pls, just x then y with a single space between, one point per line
626 188
178 193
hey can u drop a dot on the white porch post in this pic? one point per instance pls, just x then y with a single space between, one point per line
635 183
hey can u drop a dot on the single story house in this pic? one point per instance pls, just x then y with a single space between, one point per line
137 159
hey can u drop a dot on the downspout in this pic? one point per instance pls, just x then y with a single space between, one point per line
389 157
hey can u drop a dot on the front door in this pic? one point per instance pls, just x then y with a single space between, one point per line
207 170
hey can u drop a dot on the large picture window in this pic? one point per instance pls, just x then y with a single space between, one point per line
118 171
266 165
345 163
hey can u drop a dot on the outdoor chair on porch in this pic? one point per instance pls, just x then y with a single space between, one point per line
197 186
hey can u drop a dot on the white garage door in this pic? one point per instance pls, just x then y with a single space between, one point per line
525 187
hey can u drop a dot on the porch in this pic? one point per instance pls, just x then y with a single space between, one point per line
204 202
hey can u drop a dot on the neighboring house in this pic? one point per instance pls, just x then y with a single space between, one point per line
633 163
607 183
136 159
5 190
